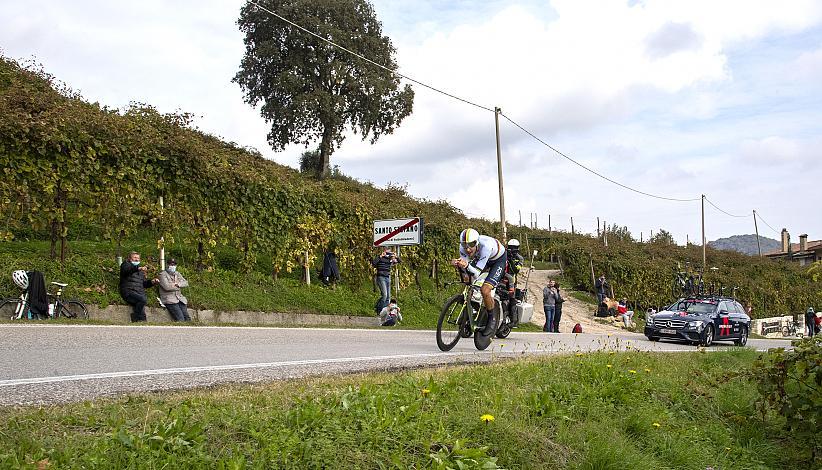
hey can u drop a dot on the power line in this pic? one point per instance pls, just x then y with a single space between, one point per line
486 108
724 212
593 171
766 223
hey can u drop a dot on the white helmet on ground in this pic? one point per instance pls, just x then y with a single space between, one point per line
469 237
513 244
21 278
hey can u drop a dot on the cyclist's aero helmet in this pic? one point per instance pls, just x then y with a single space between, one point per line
21 279
513 244
469 237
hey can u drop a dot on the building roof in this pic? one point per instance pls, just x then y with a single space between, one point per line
812 245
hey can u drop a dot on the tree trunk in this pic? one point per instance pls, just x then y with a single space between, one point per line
323 164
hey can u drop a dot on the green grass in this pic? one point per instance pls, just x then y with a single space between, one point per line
584 297
645 411
542 265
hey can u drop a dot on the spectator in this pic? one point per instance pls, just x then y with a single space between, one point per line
627 315
818 321
602 287
549 301
810 321
390 315
557 307
330 273
171 282
383 263
133 285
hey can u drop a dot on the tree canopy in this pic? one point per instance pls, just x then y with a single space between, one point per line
309 90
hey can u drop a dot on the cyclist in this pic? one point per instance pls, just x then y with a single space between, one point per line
512 268
478 254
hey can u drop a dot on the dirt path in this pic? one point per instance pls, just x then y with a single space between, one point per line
573 311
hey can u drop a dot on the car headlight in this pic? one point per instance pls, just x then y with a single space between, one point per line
695 324
649 321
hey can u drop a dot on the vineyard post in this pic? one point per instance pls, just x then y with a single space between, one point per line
604 233
307 270
536 220
520 218
593 277
597 227
572 226
162 241
549 223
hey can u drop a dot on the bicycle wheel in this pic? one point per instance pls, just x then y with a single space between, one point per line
73 309
9 308
449 322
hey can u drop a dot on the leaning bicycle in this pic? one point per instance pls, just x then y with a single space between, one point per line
464 315
18 308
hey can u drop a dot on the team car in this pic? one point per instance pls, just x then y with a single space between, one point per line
700 320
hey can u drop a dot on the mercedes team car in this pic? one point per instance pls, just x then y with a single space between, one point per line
700 320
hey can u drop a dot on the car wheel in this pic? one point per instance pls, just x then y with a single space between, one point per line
707 336
743 337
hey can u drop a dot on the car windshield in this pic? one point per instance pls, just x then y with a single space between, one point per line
701 307
693 306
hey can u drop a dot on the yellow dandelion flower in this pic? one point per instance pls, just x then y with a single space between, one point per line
727 448
647 370
609 366
612 352
487 418
656 425
632 371
425 391
579 354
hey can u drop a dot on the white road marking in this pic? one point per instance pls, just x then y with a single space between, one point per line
179 370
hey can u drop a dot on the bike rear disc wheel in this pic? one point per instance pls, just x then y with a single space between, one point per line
449 323
74 309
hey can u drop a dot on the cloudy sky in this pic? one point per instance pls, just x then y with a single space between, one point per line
673 98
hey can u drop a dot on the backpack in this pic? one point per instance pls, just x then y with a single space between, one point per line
577 328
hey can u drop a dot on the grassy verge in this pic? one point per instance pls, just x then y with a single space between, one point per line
627 410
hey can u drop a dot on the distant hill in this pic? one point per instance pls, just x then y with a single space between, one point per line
745 244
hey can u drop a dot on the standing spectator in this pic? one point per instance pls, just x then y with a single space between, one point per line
383 263
557 307
549 301
390 315
171 282
133 285
330 273
602 287
810 321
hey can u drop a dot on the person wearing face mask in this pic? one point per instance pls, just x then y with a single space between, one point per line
133 285
170 284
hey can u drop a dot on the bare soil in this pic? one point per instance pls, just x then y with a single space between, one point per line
573 310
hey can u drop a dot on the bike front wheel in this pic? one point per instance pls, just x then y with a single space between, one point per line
72 309
10 308
450 322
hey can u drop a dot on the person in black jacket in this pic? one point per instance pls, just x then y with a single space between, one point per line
133 285
383 264
330 272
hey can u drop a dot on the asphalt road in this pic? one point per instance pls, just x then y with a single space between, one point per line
62 363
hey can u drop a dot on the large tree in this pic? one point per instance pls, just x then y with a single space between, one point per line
310 90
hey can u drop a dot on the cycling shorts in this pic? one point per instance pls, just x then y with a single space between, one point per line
496 269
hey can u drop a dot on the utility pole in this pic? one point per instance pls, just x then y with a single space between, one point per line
532 220
520 218
499 176
703 232
536 220
756 228
572 225
597 227
549 223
